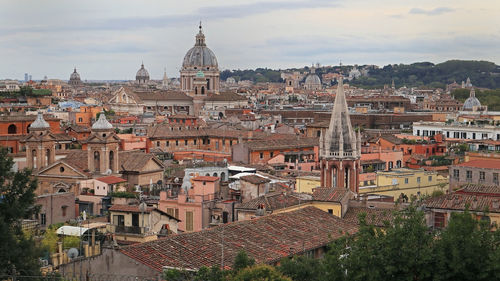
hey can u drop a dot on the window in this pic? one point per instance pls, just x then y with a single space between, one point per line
12 129
231 142
176 143
468 175
43 219
194 142
456 174
176 213
430 178
406 180
271 154
119 220
365 183
261 155
330 211
495 178
439 220
61 169
482 176
318 133
185 142
189 221
208 141
158 143
80 119
418 132
418 179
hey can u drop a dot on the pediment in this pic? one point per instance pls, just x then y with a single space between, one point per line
67 170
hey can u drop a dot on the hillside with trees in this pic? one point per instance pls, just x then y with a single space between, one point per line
483 74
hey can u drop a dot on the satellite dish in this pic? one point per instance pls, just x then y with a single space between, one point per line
176 180
108 172
73 253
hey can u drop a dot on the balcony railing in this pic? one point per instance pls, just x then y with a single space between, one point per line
130 229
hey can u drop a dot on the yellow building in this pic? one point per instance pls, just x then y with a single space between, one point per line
306 184
410 182
131 224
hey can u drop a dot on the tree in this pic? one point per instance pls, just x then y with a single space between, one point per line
260 273
467 249
242 261
301 268
17 200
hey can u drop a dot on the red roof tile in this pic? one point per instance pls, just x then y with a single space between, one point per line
205 178
484 164
111 179
129 208
329 194
267 239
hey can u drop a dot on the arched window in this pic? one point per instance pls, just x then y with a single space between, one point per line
202 90
12 129
47 155
33 158
391 164
215 174
111 159
398 164
222 176
97 161
195 90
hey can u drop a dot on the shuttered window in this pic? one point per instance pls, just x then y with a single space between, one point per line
189 221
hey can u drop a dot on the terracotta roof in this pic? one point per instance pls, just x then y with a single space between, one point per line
225 96
162 95
205 178
374 216
267 239
329 194
255 179
392 139
274 201
111 179
484 164
290 142
460 201
480 189
129 209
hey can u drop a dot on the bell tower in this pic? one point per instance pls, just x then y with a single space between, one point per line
102 147
40 144
340 148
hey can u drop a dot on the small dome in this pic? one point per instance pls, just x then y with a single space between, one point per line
313 79
471 101
142 74
200 74
75 77
102 123
39 122
200 55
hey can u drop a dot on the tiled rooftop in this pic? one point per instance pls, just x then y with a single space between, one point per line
267 239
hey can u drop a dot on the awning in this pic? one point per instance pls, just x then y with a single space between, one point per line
71 230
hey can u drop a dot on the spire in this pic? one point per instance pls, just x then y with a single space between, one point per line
74 71
340 139
39 123
472 93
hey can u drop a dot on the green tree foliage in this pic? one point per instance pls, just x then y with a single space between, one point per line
258 75
17 200
301 268
260 273
242 261
482 73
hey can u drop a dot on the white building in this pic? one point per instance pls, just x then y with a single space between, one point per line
457 130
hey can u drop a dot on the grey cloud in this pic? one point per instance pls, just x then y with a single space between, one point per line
206 13
432 12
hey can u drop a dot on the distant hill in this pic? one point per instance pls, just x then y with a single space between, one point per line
482 74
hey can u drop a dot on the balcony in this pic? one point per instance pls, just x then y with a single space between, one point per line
128 229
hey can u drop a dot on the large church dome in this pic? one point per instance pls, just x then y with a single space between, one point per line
74 78
200 56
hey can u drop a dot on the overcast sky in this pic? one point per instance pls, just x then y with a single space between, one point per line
108 39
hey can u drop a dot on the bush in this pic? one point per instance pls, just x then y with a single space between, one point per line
123 194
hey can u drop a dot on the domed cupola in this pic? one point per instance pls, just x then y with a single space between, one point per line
142 75
312 81
74 78
200 56
472 103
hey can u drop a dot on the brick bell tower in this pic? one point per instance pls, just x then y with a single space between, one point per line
340 149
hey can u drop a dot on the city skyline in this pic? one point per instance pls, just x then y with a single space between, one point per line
108 41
